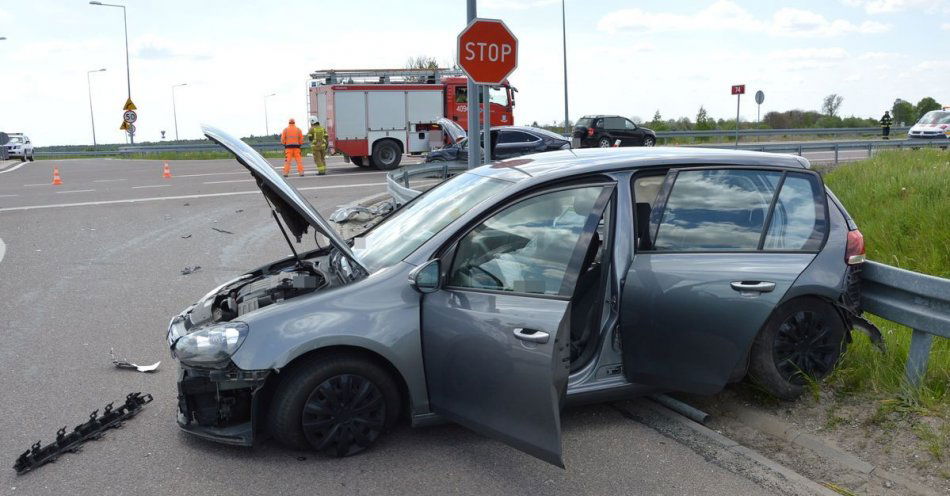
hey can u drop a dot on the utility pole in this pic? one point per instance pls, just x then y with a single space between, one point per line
128 74
567 129
474 155
266 126
175 110
92 118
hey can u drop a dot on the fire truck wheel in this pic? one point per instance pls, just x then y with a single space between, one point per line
386 155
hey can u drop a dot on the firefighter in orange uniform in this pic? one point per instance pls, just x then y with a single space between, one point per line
292 139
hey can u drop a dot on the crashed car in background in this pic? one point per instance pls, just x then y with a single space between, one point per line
506 142
18 145
517 287
932 125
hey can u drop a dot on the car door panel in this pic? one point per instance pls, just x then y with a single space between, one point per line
685 327
484 378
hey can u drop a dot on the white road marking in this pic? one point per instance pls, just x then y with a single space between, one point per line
230 181
152 186
108 180
37 184
76 191
179 197
3 250
209 174
6 196
15 167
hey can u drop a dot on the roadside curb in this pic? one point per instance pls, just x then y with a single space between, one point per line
723 451
776 427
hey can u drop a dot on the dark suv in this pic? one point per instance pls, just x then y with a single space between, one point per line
604 130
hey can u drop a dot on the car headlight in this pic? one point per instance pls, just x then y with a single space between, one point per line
211 346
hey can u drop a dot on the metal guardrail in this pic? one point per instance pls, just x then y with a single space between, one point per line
399 182
836 147
918 301
731 133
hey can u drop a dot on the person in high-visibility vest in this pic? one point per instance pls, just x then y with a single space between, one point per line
886 125
318 144
292 139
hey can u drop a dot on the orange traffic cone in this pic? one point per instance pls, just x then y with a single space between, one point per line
56 179
166 172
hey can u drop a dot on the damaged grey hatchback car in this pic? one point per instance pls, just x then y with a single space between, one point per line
509 291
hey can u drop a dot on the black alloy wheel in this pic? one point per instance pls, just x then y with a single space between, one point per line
344 415
805 346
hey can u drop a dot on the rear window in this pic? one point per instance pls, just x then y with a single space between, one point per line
730 209
583 122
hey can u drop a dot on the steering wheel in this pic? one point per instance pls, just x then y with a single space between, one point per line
498 282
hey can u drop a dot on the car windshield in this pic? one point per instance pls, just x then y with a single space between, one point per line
413 225
935 117
16 139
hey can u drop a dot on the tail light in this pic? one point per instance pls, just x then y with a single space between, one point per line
590 131
854 253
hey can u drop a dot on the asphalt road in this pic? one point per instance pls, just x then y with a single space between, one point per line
95 264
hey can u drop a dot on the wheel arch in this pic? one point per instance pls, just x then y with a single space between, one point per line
398 141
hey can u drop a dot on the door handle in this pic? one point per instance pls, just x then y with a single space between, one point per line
531 335
753 286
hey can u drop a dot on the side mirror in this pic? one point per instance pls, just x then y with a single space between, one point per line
426 278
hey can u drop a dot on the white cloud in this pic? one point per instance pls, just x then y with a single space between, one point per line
891 6
726 15
878 55
945 26
832 53
516 4
932 65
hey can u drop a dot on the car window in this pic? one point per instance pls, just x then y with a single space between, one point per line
798 218
716 210
461 94
516 137
645 188
599 123
527 247
629 124
583 122
614 122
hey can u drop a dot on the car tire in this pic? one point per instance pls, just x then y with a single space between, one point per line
604 142
31 157
362 404
386 155
801 342
649 141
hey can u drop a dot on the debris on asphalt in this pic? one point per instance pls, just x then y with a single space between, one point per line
239 210
186 205
222 230
125 364
93 428
186 236
190 269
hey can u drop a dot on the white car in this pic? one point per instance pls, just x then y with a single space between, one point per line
19 145
933 125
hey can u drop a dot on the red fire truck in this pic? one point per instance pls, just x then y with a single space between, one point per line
373 117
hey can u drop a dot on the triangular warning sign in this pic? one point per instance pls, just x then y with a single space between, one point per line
129 105
124 126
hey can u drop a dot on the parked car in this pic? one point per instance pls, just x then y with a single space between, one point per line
507 142
493 298
19 146
605 130
932 125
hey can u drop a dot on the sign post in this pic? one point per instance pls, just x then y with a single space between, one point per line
738 90
488 53
128 118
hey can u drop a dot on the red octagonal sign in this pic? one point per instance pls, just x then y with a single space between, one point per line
487 51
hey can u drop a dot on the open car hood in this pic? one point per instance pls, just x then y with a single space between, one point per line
452 129
297 213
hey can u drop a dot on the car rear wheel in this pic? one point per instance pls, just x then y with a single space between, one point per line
337 405
386 155
649 141
801 342
604 142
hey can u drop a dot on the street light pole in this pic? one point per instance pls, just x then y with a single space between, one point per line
564 38
266 126
174 109
128 73
92 118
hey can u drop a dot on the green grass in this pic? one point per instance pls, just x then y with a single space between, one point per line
901 203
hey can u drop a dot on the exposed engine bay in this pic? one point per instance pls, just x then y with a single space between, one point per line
266 286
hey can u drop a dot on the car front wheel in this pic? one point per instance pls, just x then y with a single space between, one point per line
800 343
337 405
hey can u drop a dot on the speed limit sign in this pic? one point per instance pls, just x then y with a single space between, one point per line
129 116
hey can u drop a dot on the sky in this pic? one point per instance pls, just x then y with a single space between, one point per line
624 57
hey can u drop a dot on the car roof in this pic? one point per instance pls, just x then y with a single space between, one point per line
567 163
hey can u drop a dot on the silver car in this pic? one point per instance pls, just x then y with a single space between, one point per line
509 291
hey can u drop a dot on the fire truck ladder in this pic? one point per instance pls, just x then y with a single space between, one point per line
384 76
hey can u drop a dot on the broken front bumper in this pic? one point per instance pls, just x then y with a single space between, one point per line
220 405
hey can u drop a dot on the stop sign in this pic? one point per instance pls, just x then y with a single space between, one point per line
487 51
